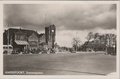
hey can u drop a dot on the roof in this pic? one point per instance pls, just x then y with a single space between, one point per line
21 42
25 31
40 35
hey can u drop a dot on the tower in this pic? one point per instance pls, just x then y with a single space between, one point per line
50 33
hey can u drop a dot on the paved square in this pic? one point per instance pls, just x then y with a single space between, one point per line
62 63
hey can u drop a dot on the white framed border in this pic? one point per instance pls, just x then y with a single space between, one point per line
59 76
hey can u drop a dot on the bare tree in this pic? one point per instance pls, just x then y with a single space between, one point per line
111 39
76 43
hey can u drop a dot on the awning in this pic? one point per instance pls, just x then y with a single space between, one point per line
21 42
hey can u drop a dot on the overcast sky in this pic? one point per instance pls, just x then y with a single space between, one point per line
71 20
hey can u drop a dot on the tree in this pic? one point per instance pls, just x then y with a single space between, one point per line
96 36
76 43
110 40
111 44
90 36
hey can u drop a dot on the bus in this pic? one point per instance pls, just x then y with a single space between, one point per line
7 49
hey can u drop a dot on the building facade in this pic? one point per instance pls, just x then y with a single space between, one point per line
20 39
50 33
30 40
33 41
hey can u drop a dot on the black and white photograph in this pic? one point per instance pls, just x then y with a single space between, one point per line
60 39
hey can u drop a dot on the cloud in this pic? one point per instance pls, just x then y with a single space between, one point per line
71 20
64 16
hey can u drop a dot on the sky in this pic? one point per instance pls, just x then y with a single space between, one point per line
71 20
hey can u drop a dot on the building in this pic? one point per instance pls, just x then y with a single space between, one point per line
19 42
42 38
42 41
30 40
20 39
33 41
50 33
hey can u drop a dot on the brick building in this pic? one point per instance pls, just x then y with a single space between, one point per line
33 41
42 42
20 39
50 33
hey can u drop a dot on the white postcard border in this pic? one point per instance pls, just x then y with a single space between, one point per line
58 76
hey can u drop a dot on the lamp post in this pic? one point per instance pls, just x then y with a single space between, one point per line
76 43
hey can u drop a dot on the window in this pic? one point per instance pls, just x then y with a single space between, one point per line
20 37
17 37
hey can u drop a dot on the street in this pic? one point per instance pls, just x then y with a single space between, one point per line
62 63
